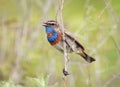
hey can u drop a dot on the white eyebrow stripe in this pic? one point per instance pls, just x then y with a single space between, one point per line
51 22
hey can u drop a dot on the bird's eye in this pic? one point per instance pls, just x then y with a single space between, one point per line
52 24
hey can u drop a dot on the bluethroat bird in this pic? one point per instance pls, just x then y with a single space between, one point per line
55 38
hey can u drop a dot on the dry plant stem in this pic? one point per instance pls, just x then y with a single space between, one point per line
86 8
26 21
4 41
60 21
65 81
112 13
89 75
19 43
88 64
113 78
115 44
113 18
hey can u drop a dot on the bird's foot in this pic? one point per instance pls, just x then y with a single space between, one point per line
65 72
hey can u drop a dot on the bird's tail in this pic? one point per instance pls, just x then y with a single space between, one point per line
87 57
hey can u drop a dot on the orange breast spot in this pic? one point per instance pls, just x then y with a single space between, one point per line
49 34
57 40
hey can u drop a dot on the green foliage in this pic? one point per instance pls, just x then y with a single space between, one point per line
37 82
25 52
30 82
10 83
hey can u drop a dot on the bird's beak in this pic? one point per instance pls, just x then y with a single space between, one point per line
44 24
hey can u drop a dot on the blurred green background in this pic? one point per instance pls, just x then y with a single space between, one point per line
28 60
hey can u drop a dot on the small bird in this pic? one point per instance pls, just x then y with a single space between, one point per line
55 38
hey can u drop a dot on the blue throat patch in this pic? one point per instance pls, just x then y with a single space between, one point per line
50 29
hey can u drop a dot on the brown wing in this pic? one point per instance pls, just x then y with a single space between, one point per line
77 47
73 42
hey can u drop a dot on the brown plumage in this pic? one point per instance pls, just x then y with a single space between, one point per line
77 48
55 38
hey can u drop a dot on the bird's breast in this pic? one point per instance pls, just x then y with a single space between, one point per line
49 35
54 38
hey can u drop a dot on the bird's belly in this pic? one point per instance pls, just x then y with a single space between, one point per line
60 47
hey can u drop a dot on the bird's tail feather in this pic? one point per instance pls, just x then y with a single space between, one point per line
87 57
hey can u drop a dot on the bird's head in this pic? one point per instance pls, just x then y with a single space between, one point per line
50 26
49 23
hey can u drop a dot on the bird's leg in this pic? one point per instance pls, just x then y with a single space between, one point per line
65 69
65 72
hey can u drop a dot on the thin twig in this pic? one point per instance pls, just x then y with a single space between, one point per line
112 13
26 21
19 42
118 49
113 78
89 76
86 8
3 40
60 21
88 64
104 9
